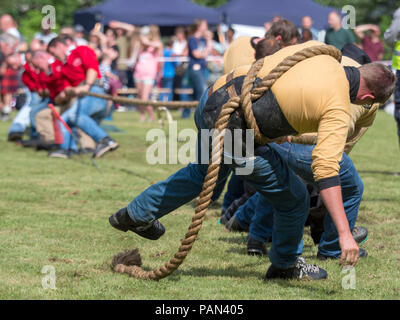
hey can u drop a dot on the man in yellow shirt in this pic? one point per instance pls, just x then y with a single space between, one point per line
313 96
256 215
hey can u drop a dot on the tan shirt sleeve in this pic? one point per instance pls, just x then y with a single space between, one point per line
332 135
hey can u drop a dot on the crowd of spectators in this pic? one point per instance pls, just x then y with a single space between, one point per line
138 57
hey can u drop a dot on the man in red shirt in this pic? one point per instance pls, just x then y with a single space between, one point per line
81 70
33 101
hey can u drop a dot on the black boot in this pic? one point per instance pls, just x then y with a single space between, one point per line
15 136
234 226
256 248
122 221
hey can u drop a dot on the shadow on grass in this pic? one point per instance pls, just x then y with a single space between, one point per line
230 272
239 239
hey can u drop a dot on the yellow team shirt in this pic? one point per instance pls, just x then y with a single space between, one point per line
314 97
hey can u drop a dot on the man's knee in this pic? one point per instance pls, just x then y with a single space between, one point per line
44 126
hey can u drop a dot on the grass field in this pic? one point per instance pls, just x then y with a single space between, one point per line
55 212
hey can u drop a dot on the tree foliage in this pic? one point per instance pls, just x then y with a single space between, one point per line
28 13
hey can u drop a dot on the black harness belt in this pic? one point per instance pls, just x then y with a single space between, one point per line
269 116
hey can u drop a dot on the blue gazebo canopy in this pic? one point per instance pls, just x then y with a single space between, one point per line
142 12
257 12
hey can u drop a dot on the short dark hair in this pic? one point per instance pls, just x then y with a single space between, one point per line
266 47
60 39
379 79
306 35
285 29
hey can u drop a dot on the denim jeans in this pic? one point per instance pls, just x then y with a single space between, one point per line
271 177
167 83
198 81
397 103
85 113
258 214
235 190
24 118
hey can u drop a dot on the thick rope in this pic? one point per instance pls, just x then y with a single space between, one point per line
129 262
140 102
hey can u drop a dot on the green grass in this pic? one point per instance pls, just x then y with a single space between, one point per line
55 212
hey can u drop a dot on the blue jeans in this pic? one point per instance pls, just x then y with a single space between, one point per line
397 103
198 81
85 113
167 83
299 159
23 118
235 190
271 177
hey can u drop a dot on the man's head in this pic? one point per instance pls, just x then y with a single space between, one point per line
79 31
377 84
335 20
67 31
14 61
37 44
6 22
200 26
266 47
180 34
306 22
285 32
58 48
306 35
40 60
8 43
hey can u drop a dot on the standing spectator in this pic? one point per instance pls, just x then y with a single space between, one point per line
307 23
225 39
392 37
371 42
95 42
306 35
199 49
45 35
124 32
168 71
180 50
8 25
336 35
147 67
67 31
80 35
216 64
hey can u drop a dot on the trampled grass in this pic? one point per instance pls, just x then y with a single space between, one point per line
55 212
